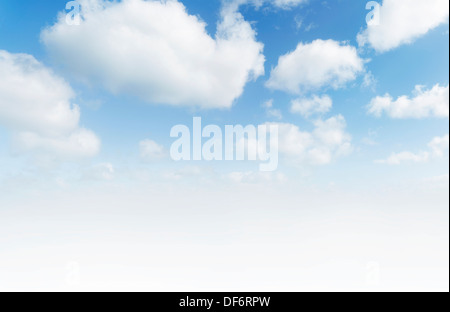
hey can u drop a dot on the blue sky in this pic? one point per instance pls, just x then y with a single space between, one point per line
403 147
122 120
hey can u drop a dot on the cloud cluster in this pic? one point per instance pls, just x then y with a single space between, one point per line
36 106
328 140
157 51
425 103
314 105
315 65
403 21
437 149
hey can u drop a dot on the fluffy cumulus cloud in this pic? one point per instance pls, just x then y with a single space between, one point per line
436 149
425 103
157 51
403 21
328 140
35 105
314 105
315 65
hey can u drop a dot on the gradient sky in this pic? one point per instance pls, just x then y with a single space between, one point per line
122 121
375 156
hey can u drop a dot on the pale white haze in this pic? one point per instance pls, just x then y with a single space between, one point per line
224 145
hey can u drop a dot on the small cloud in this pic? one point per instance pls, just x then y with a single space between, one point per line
439 145
310 27
100 172
298 22
437 149
399 158
328 141
312 106
370 139
424 104
272 112
151 151
316 65
369 81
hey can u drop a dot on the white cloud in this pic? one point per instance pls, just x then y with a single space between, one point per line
309 106
399 158
150 150
311 66
403 21
438 146
157 51
35 105
327 141
271 111
275 113
371 138
369 81
32 98
100 172
425 103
